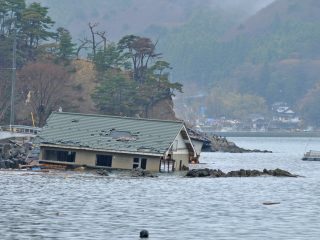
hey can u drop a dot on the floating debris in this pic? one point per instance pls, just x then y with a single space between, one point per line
144 234
270 203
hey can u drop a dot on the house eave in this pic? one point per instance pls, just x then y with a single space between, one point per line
183 128
101 150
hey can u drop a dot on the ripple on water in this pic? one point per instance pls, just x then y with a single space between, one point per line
85 206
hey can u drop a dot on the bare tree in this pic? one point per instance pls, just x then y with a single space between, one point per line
83 45
46 84
104 39
93 36
95 44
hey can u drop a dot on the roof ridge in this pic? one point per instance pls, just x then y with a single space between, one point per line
121 117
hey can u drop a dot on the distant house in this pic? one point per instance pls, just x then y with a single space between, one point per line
115 142
284 114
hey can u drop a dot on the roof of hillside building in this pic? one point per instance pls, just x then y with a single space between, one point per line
110 133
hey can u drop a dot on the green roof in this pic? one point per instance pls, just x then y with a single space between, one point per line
110 133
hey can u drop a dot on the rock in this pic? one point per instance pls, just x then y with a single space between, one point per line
22 150
282 173
6 151
2 164
233 174
254 173
266 171
215 143
199 173
192 173
204 172
214 173
184 168
10 164
242 173
102 172
138 172
15 153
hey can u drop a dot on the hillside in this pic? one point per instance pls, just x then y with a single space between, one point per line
268 55
274 54
121 17
281 60
279 12
78 98
285 29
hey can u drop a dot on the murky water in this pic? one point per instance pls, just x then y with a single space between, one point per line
85 206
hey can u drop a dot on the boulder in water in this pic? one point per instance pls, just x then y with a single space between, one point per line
144 234
138 172
239 173
102 172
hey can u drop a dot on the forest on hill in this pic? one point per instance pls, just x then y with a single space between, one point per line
240 57
254 53
128 78
270 57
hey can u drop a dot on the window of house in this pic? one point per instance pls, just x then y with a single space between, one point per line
66 156
104 160
50 155
139 163
62 156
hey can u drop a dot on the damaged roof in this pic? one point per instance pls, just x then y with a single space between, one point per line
110 133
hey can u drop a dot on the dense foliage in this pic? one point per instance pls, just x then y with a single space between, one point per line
271 57
132 77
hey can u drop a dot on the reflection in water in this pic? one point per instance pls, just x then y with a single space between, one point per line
85 206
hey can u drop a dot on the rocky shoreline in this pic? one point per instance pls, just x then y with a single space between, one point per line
215 143
221 144
217 173
12 154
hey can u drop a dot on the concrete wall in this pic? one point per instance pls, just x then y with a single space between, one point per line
120 161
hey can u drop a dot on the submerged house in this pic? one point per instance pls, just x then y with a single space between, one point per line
115 142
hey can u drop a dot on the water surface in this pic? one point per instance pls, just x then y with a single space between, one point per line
85 206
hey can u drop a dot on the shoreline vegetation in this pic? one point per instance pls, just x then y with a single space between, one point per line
217 143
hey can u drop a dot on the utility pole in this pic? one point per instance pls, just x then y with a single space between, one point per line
13 80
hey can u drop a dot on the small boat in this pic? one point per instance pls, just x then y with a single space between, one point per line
311 156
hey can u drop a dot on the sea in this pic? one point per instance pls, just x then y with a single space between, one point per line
83 205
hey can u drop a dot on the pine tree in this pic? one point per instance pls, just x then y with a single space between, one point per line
66 49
